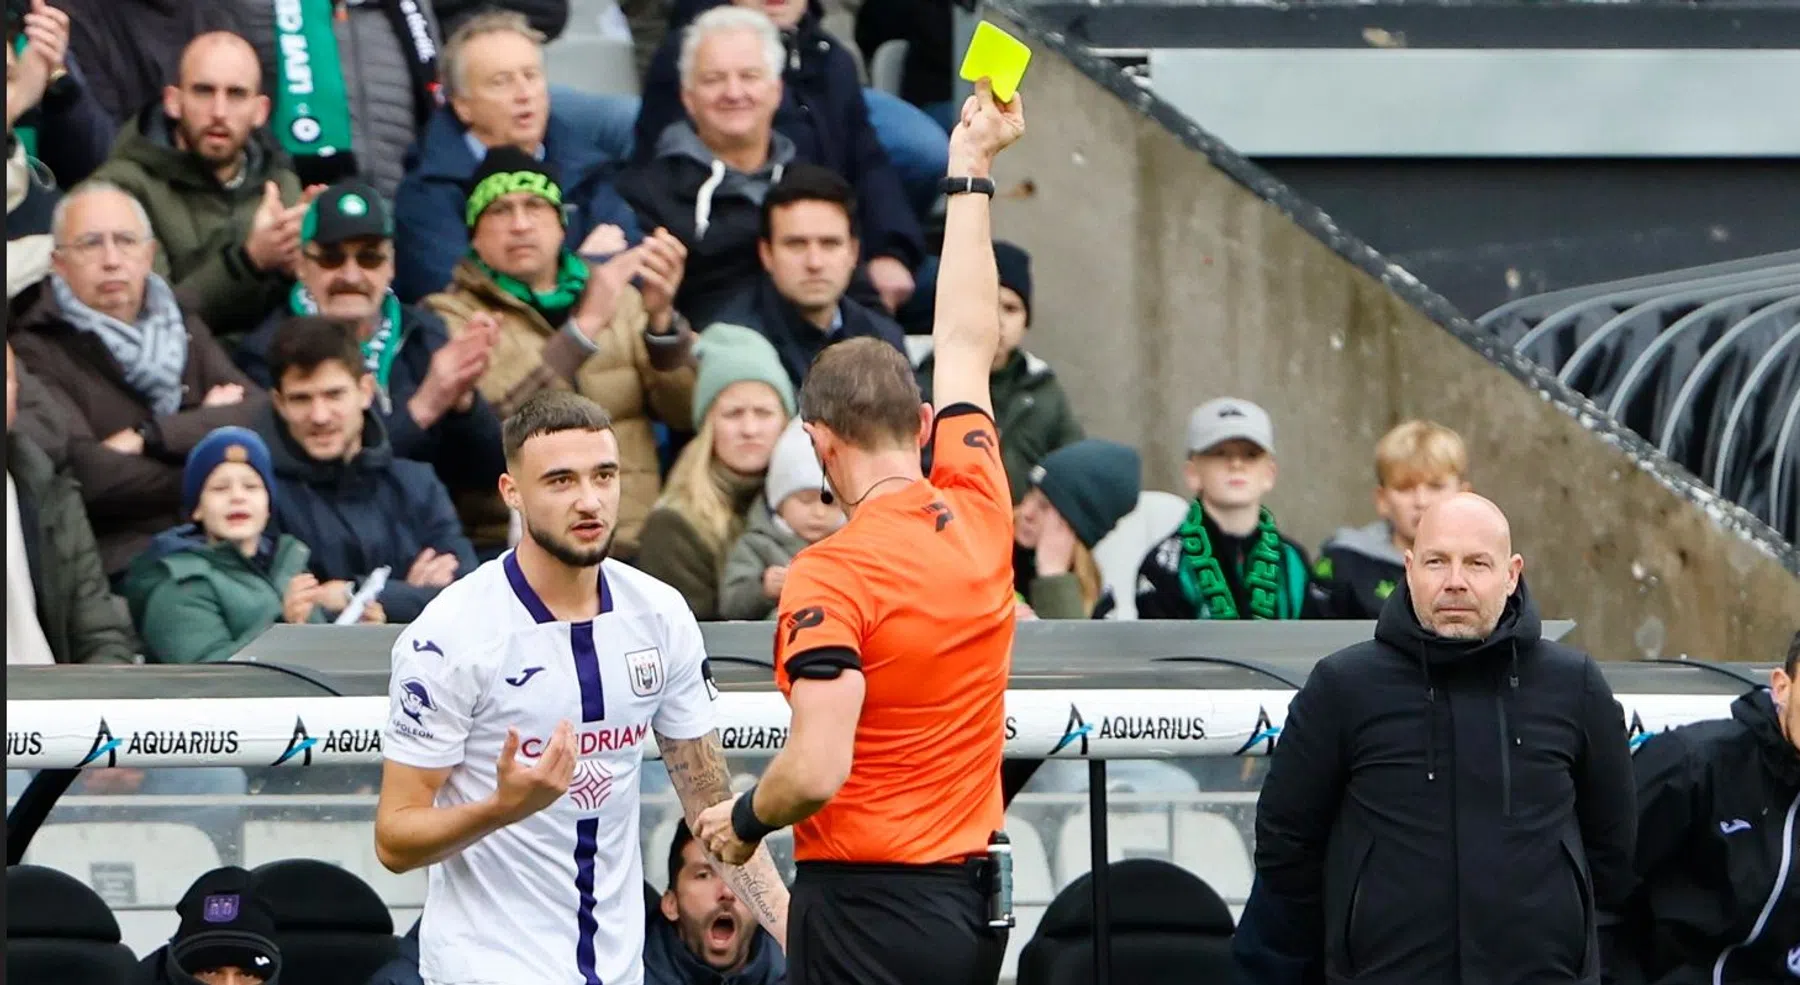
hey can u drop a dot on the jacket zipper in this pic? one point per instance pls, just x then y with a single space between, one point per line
1505 760
1781 877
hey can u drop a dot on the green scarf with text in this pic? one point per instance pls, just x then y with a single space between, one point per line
312 105
1203 579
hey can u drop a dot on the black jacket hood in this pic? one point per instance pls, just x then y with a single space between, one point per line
1520 627
1756 712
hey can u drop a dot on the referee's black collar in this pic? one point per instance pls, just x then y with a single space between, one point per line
528 596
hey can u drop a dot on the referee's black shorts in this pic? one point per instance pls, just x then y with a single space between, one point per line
865 924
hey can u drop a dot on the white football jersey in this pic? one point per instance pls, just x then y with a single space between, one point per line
558 897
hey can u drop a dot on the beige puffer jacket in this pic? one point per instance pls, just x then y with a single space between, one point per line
634 381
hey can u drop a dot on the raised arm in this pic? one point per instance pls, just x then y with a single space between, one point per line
966 332
697 769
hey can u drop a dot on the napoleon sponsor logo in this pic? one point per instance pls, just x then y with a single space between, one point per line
24 743
805 618
192 742
1152 727
591 741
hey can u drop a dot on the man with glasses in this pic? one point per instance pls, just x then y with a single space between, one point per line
135 378
424 381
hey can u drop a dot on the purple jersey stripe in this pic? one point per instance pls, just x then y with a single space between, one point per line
528 596
587 671
587 840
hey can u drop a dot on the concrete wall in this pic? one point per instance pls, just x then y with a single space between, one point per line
1168 271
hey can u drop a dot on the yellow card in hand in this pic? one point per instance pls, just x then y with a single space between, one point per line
998 57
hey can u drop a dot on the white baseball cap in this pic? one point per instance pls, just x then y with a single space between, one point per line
1228 418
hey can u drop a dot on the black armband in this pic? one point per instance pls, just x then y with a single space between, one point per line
749 828
824 663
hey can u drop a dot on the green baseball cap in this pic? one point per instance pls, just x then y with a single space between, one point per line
347 210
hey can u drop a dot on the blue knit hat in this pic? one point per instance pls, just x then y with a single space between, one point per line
226 444
1093 483
733 354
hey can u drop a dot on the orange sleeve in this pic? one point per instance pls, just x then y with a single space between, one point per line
965 454
822 620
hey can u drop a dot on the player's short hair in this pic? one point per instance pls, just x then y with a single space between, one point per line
550 412
1793 657
677 845
864 390
306 342
1419 451
808 183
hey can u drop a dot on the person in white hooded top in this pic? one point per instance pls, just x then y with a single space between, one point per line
788 516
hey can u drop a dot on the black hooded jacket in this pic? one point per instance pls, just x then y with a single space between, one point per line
1717 900
1447 811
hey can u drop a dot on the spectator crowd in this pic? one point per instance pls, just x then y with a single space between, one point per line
262 345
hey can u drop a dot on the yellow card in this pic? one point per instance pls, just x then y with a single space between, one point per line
997 56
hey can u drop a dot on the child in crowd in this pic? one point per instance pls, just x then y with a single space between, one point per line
1031 409
789 515
1227 560
206 589
1077 495
1417 465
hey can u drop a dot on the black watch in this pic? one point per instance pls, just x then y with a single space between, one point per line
966 185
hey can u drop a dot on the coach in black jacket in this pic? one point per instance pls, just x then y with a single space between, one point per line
1448 802
1717 900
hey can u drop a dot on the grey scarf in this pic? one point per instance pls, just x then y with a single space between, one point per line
152 353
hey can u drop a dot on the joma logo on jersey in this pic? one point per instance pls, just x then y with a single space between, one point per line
590 741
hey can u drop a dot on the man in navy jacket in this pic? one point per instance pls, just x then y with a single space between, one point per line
494 80
823 113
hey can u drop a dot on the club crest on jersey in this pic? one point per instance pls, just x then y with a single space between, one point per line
646 670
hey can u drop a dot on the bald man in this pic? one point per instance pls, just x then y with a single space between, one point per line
224 205
1451 802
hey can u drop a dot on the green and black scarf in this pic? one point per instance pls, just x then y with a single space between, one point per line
1264 573
555 304
312 101
380 349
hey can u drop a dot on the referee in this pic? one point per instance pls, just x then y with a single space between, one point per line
895 639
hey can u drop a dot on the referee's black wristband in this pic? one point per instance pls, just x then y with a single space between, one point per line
749 828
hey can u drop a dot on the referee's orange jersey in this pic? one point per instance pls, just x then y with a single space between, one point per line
916 591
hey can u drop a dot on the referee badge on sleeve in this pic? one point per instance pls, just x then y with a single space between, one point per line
646 668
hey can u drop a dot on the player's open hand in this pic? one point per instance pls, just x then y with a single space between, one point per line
986 128
719 838
524 788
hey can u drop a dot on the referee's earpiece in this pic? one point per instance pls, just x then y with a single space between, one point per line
825 495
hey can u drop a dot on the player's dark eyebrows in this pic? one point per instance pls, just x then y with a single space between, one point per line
608 466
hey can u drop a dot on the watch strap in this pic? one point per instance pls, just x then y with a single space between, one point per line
964 185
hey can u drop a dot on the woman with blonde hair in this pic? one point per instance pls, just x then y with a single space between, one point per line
1077 495
742 401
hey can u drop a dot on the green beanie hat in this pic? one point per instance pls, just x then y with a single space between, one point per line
733 354
1093 483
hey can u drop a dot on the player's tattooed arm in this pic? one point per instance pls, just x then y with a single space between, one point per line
701 778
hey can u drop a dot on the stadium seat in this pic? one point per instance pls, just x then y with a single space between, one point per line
349 845
59 931
1168 927
1120 553
130 864
332 928
1206 844
887 67
597 65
